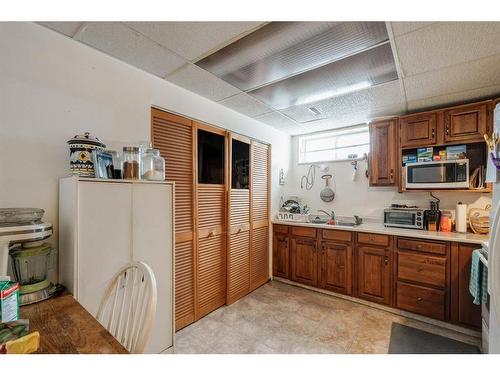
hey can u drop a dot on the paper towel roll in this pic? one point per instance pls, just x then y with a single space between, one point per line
461 217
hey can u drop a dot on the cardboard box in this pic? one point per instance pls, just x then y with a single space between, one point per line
9 301
456 152
424 154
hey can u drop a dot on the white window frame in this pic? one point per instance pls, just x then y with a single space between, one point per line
302 139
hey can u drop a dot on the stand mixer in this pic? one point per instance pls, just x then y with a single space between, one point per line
21 234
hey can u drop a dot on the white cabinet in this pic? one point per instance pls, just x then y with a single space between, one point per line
104 224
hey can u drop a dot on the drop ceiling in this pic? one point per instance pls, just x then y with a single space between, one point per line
302 77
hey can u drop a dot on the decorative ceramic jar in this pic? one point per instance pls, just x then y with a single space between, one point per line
81 149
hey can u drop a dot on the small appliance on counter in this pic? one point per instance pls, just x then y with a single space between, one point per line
432 217
402 216
22 233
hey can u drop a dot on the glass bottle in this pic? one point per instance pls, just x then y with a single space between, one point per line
131 163
152 165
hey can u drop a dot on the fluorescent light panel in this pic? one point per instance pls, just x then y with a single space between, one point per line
282 49
354 73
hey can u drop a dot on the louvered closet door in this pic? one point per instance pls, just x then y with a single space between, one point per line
173 136
238 280
211 220
259 258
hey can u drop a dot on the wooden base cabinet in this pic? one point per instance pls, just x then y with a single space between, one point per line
336 267
463 310
304 265
374 274
281 256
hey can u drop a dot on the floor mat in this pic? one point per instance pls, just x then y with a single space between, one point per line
409 340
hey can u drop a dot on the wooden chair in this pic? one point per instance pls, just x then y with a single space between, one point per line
128 307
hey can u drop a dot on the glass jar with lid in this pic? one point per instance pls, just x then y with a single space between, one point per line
152 165
131 162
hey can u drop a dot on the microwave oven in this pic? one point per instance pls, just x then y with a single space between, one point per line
444 174
404 217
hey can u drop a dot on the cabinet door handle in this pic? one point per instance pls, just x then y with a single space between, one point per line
386 261
433 133
392 175
447 129
419 299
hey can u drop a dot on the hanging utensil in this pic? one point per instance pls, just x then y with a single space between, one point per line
327 194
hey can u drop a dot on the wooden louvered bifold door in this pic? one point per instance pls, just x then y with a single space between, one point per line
259 265
173 136
211 280
239 245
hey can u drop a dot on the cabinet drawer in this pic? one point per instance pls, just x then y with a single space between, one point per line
421 300
279 228
374 239
304 232
425 246
422 268
338 235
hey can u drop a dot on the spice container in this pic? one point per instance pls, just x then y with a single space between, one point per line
152 165
131 163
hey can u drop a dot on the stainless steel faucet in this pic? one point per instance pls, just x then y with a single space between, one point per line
331 214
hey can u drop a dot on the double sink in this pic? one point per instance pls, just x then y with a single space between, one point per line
324 219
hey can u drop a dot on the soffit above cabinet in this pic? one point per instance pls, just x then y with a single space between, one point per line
302 76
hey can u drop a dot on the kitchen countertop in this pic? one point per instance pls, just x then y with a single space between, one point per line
415 233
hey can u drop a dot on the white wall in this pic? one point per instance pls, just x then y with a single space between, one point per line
52 88
358 198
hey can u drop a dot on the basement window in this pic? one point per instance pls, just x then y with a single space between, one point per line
337 145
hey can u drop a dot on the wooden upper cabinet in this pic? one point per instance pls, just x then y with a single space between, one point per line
336 267
374 274
466 123
383 153
418 130
304 261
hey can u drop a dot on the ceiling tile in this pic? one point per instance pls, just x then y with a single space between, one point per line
245 104
363 102
451 99
193 39
66 28
401 28
445 44
127 45
280 122
456 79
202 82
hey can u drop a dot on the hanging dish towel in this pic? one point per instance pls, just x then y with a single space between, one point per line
478 285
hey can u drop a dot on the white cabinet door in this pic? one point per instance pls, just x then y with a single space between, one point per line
104 238
153 244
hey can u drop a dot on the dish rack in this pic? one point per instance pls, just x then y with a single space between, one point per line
287 216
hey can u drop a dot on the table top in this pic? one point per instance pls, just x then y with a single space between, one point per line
65 327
